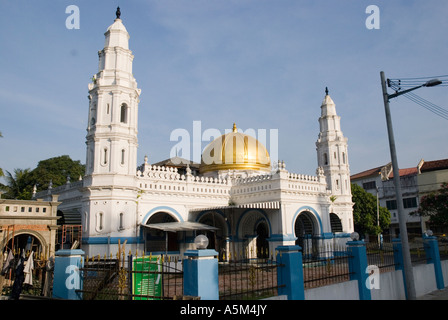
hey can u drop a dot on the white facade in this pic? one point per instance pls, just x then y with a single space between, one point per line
253 211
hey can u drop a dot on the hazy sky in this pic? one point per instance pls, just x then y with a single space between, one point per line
263 64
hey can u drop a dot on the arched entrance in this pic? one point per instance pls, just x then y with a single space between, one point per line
254 229
158 240
306 230
27 242
262 240
218 238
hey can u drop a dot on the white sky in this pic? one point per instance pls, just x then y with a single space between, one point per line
263 64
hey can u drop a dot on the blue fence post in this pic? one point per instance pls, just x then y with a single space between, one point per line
398 260
201 274
67 274
398 253
433 256
290 272
358 267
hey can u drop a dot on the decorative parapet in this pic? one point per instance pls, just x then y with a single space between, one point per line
163 179
171 174
159 172
306 183
253 179
58 190
303 177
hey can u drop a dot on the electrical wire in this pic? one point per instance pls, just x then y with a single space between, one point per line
427 105
412 82
398 84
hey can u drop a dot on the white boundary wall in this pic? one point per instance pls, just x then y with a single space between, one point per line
391 286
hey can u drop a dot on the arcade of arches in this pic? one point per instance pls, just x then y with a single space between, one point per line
252 235
252 232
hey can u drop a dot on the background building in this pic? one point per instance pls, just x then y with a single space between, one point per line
30 225
415 182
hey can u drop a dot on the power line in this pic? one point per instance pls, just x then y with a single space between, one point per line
427 105
412 82
398 84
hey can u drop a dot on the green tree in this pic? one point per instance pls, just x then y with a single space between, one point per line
20 184
56 170
365 212
435 206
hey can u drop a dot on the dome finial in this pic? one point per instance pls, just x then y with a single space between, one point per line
234 128
326 91
118 13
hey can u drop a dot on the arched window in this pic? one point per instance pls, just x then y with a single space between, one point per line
124 113
325 159
105 156
99 221
121 221
336 224
123 154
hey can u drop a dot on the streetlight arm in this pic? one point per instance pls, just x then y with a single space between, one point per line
430 83
396 94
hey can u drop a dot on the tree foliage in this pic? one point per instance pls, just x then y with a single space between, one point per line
20 184
17 183
56 170
435 206
365 212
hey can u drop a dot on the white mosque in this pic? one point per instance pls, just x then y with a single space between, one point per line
235 196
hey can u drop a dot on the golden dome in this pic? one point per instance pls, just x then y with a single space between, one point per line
235 151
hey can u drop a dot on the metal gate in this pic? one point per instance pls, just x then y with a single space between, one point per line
152 277
248 279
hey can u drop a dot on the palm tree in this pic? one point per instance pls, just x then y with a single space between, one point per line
17 186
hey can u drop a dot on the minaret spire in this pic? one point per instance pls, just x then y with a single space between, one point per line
113 108
332 159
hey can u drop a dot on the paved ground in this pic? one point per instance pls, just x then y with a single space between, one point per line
436 295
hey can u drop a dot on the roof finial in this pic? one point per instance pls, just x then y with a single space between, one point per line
326 91
234 127
118 13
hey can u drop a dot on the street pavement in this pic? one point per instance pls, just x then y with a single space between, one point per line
436 295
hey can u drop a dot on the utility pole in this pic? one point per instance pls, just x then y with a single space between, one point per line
407 264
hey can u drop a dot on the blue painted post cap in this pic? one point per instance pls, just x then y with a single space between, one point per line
356 243
68 252
201 253
288 248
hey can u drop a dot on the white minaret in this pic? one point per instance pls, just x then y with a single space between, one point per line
113 108
109 209
332 157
